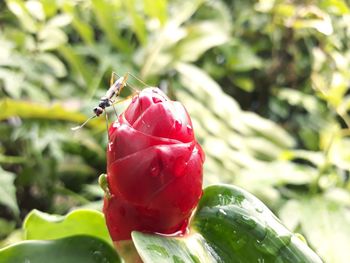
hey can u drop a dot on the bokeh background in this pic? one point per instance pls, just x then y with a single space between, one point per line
266 83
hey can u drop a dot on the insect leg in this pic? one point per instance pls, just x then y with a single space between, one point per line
106 115
112 79
112 102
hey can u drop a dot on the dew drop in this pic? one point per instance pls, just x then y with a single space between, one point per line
97 255
259 209
116 124
110 146
180 165
155 170
160 251
222 211
250 221
156 99
189 129
178 125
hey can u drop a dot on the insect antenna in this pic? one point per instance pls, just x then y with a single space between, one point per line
115 110
83 124
140 80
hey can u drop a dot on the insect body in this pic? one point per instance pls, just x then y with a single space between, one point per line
107 100
113 91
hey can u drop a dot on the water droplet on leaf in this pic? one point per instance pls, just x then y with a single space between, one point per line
161 251
259 209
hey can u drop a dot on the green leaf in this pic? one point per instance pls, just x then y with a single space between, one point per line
339 153
8 191
84 28
155 248
244 59
156 9
6 227
66 250
105 13
326 225
54 63
241 228
51 38
200 37
31 110
39 225
18 8
230 225
138 23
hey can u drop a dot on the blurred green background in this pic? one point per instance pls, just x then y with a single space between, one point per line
266 83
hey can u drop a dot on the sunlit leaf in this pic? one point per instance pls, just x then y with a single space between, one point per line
199 38
19 9
157 9
39 225
56 65
324 25
35 8
138 23
106 18
51 38
339 153
8 191
60 20
24 109
80 25
325 224
153 248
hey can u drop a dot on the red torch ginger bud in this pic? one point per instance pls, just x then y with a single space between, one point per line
154 168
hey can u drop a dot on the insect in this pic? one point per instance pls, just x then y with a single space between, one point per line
109 99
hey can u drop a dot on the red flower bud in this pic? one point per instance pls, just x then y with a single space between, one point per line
154 167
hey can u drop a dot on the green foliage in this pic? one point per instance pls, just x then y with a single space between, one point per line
230 225
39 225
69 249
8 191
266 83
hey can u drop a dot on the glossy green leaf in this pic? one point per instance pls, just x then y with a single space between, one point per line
230 225
39 225
155 248
73 249
241 228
